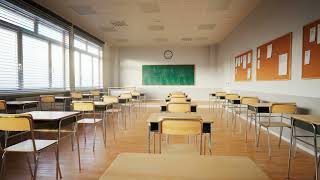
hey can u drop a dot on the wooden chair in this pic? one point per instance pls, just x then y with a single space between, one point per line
95 94
116 109
177 93
88 107
182 127
128 105
179 107
250 114
47 100
220 99
76 96
3 106
136 99
226 104
278 108
24 122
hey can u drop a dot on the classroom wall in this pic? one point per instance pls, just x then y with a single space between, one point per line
204 58
272 19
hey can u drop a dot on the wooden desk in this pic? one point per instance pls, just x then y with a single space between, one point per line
155 119
51 115
13 106
87 95
163 107
66 100
168 99
129 166
313 121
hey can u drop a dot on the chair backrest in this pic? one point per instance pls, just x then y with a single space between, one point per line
126 96
178 99
220 93
83 106
110 99
249 100
181 126
285 108
95 93
76 95
15 122
178 96
3 106
232 96
178 93
178 107
47 99
135 93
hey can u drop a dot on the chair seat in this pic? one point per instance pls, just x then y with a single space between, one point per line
88 121
113 110
27 145
274 124
180 149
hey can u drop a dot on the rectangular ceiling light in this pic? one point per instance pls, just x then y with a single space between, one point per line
219 5
118 23
186 39
161 39
206 26
149 6
156 28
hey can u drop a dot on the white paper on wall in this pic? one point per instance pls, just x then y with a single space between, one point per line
312 34
283 64
307 57
258 53
248 73
258 64
269 51
245 58
318 34
244 64
241 59
249 58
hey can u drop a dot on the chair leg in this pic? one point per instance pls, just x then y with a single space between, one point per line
114 131
78 146
36 160
269 145
258 137
84 133
29 166
281 129
94 137
58 169
3 162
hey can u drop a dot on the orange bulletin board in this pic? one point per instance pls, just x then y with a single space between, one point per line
274 59
243 66
311 51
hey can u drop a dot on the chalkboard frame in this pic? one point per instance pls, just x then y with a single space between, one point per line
194 75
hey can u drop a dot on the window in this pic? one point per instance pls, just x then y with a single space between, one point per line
50 32
57 66
87 64
15 18
35 65
8 59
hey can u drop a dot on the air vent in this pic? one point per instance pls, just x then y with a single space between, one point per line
119 23
186 39
206 26
201 38
83 10
149 7
161 39
156 28
219 5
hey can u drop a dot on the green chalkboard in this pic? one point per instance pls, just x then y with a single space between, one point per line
168 74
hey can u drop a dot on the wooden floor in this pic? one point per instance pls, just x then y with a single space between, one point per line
134 139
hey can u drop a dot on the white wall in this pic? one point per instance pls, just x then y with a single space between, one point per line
271 19
132 59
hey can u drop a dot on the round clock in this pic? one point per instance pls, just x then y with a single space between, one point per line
168 54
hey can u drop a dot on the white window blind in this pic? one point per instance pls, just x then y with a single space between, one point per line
77 68
57 65
96 72
50 32
35 65
86 70
13 17
8 59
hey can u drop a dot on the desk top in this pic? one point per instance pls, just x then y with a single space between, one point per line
62 97
165 104
160 167
158 117
87 94
21 102
260 105
96 103
51 115
310 119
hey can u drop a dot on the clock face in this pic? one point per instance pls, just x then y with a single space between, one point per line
168 54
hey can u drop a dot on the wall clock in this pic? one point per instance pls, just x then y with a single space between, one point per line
168 54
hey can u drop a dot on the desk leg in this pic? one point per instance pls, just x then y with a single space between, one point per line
290 150
315 150
247 125
255 127
210 149
149 136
